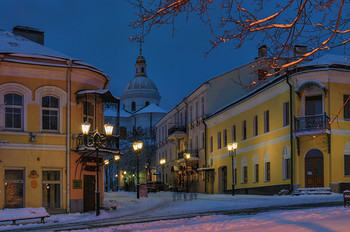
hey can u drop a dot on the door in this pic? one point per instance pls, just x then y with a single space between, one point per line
222 179
314 176
209 181
89 193
14 188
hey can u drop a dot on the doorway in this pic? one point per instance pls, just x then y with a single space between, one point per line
222 179
314 175
14 188
89 193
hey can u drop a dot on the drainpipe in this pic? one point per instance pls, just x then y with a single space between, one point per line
205 153
68 128
291 133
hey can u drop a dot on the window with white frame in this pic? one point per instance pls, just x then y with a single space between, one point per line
267 166
244 170
50 113
286 163
51 194
255 168
202 105
196 109
13 103
266 121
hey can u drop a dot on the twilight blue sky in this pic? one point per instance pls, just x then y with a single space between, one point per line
98 32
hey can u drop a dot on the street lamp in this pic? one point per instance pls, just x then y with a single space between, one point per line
162 162
232 147
187 157
116 159
137 146
95 139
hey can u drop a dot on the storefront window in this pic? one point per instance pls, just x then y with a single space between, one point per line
13 188
51 189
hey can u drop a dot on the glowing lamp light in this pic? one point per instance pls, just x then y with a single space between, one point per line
137 146
124 172
108 129
116 175
116 157
187 155
232 146
162 161
106 162
85 127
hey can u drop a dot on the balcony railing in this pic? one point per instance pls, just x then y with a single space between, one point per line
177 128
193 152
311 122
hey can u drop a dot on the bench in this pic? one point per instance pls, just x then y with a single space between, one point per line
346 195
23 214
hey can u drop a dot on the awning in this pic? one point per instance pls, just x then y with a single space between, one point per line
104 94
84 150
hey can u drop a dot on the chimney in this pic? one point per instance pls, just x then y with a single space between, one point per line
30 33
262 51
299 50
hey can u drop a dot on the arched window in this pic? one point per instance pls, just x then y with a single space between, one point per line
244 170
147 103
133 106
13 111
267 168
50 113
255 168
286 163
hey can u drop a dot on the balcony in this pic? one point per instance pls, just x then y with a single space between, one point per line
177 132
310 123
193 152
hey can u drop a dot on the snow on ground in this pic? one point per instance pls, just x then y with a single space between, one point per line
317 219
167 203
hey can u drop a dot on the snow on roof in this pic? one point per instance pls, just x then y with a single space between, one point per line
11 43
152 108
328 59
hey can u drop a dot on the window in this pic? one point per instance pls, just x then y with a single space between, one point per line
211 143
255 125
219 140
244 168
133 106
50 112
203 140
347 165
255 168
51 189
286 163
244 130
267 171
190 114
225 138
196 109
256 172
202 107
123 132
286 114
13 111
234 133
346 108
313 105
196 145
14 188
266 121
89 113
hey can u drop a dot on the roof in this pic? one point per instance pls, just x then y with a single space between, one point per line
328 59
141 83
152 108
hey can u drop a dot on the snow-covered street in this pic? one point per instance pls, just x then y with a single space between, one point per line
217 212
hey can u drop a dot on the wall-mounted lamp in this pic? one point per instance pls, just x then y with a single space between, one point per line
32 137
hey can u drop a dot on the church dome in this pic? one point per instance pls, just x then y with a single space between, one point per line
141 83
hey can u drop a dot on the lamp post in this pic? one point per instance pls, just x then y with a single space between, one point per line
137 146
162 162
232 147
187 157
116 159
96 141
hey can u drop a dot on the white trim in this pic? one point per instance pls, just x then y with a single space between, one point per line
347 148
51 91
340 132
255 161
27 99
26 146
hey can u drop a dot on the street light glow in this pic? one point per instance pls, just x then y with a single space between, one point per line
116 157
108 129
137 146
106 162
85 127
162 161
187 155
232 146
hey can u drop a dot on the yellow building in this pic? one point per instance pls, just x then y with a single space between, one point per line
40 118
292 132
